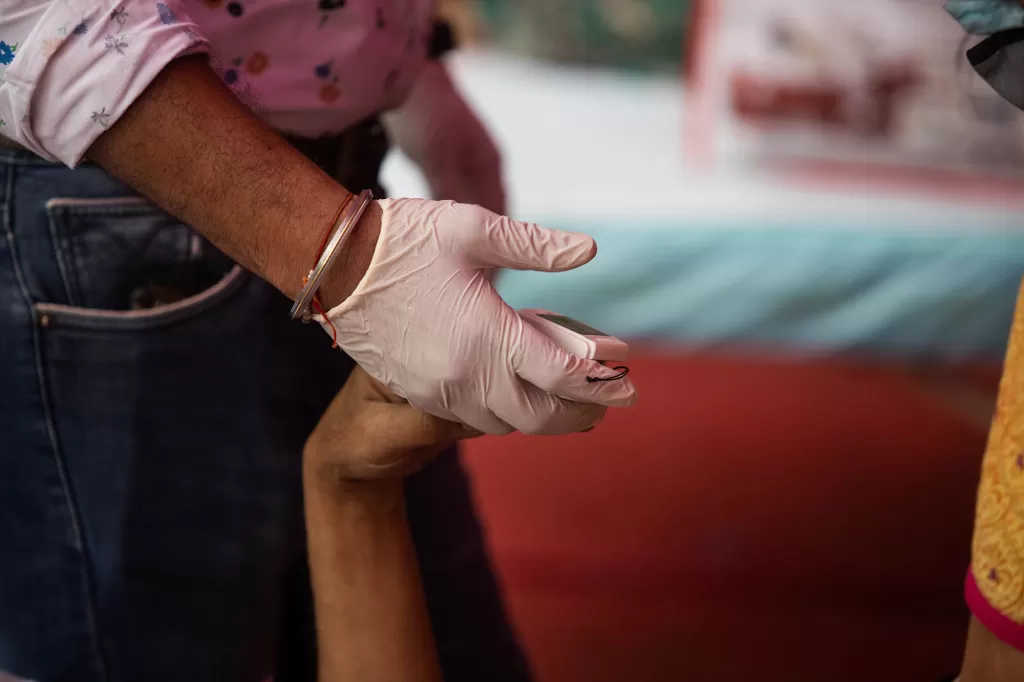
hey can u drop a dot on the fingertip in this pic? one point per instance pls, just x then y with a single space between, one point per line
614 390
580 250
588 245
469 434
560 250
633 394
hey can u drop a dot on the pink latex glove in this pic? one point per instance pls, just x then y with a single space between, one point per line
426 322
438 131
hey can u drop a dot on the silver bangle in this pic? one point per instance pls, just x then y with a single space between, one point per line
346 226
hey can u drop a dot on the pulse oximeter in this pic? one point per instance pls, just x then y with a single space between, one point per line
576 337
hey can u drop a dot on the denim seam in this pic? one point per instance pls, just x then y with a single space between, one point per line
60 245
59 210
23 162
65 482
148 319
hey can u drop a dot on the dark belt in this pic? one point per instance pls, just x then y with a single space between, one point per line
353 157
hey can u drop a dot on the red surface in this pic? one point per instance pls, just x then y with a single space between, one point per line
748 519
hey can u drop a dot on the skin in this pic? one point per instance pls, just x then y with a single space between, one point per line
989 659
371 616
192 148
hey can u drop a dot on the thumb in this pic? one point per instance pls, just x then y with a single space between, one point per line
409 428
511 244
399 440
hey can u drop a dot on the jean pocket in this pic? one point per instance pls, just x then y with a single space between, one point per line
171 313
126 263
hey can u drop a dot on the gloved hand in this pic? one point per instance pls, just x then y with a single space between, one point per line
426 322
438 131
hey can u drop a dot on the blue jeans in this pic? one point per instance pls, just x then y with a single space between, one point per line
151 522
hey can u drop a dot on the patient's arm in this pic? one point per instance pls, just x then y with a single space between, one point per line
371 616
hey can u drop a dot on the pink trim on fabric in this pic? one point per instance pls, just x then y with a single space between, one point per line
1008 631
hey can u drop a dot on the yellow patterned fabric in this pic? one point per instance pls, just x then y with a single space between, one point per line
998 547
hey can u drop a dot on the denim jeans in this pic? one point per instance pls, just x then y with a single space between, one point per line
151 522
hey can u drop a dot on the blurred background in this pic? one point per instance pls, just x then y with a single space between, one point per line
809 217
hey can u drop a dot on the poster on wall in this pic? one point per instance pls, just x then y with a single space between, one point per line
866 85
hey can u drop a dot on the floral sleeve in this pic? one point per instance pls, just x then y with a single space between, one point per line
70 68
995 583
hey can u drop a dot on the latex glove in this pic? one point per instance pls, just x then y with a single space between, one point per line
438 131
426 322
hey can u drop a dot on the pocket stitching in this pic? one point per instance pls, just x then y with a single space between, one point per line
89 203
182 310
62 210
57 211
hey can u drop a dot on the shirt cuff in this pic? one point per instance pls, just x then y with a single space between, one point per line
1008 631
82 67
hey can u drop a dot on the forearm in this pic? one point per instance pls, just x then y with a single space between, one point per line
988 659
371 616
189 146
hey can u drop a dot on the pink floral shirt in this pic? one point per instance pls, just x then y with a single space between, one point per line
70 68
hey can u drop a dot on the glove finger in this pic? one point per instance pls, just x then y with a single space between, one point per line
539 361
532 411
471 413
507 243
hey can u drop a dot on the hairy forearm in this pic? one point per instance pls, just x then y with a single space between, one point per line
190 147
371 616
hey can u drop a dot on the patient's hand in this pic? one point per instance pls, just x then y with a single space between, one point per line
366 585
369 433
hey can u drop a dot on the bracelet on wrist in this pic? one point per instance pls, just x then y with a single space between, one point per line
344 225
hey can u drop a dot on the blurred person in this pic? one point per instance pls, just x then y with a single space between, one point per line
994 586
995 581
154 395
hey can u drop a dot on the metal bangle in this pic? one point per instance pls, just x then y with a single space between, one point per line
346 226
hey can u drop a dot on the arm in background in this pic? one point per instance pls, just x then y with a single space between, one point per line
989 659
995 582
